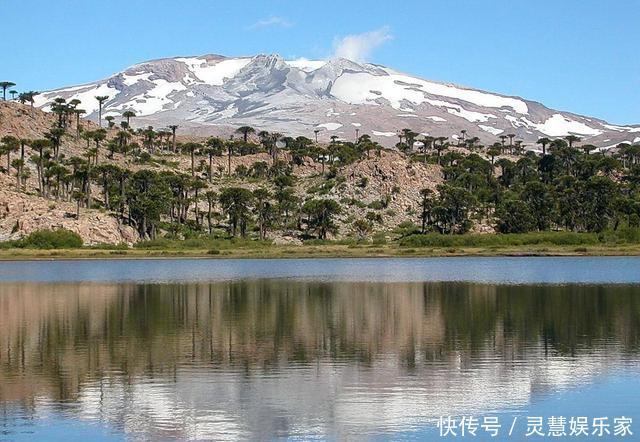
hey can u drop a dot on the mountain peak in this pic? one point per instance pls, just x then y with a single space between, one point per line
338 96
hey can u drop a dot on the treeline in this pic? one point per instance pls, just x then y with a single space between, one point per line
567 187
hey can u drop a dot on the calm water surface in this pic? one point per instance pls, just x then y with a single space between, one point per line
330 348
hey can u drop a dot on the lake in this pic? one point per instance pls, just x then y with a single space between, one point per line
319 348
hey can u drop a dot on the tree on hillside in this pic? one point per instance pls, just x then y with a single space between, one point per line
9 145
128 114
453 209
77 113
235 203
101 99
320 216
409 137
511 137
493 152
263 210
39 146
18 165
229 152
275 137
463 136
543 142
192 148
214 147
55 136
148 196
174 128
572 139
5 85
98 136
514 216
426 205
440 145
28 97
211 198
245 131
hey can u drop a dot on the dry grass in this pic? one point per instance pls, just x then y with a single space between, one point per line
323 251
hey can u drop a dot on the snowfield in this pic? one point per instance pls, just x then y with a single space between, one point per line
359 88
330 126
559 125
216 73
491 130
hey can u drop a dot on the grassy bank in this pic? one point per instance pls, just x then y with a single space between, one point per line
608 238
530 244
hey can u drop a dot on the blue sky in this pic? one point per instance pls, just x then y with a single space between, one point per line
580 56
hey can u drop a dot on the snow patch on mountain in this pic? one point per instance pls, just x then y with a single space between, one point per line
130 80
361 88
87 96
306 65
214 74
330 126
558 125
491 130
155 100
384 134
469 115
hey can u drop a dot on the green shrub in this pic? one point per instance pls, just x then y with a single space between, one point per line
488 240
379 238
376 205
105 246
51 239
201 243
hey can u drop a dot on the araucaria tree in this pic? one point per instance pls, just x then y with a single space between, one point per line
245 131
321 215
236 205
101 99
5 85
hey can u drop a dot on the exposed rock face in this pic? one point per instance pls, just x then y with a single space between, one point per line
209 94
390 178
21 214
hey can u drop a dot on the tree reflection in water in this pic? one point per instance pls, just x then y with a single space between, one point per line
275 356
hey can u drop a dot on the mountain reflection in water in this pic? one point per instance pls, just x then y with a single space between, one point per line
269 358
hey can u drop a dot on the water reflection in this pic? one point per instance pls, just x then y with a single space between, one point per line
267 358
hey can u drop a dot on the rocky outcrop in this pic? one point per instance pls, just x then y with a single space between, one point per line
21 214
388 185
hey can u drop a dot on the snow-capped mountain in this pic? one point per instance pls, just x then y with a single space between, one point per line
206 94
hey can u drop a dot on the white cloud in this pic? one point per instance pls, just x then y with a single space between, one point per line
272 21
358 47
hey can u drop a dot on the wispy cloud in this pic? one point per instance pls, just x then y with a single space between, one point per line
358 47
270 22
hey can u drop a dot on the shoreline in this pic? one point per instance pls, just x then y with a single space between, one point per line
320 252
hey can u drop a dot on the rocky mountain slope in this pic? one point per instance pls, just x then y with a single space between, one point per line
390 182
22 211
209 94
